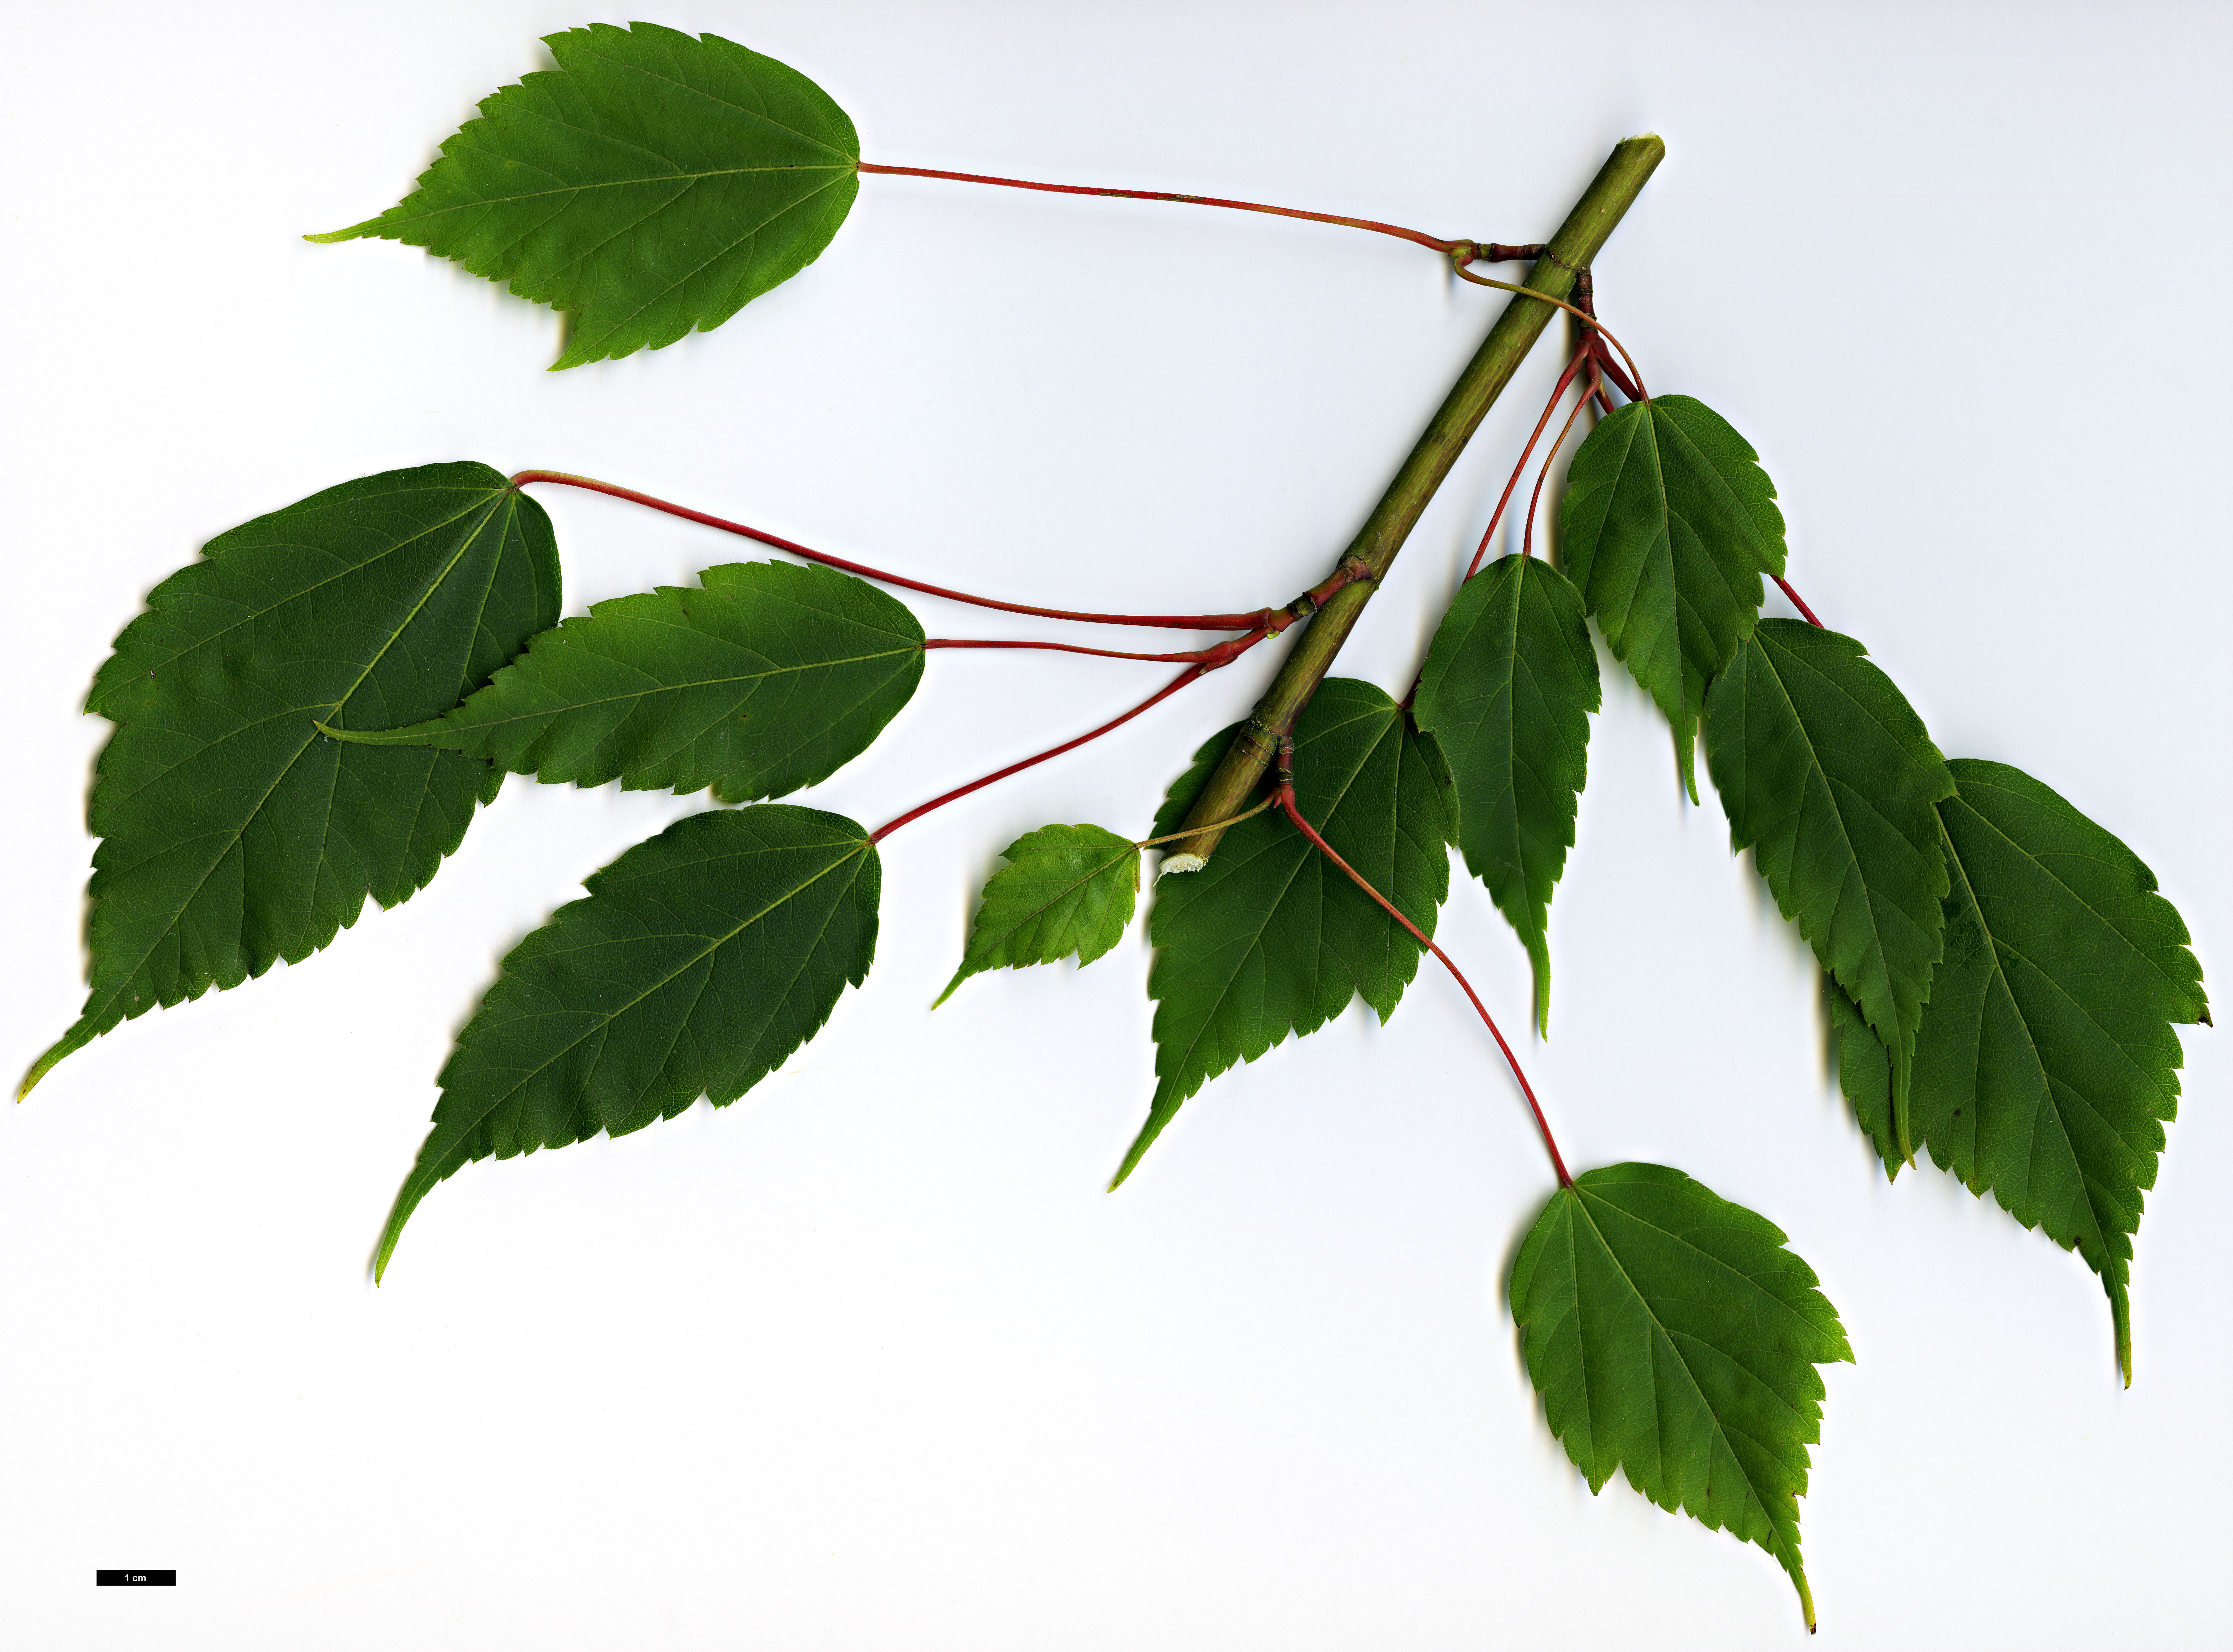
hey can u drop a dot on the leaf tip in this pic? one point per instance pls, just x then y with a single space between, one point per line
75 1038
352 232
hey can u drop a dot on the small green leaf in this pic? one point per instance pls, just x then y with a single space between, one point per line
1672 1337
700 960
1829 776
1668 524
2046 1066
233 834
651 184
769 677
1506 693
1271 938
1065 889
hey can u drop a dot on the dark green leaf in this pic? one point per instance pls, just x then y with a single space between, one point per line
1666 526
233 833
769 677
1674 1337
653 183
1271 938
2046 1066
700 960
1506 693
1865 1071
1065 889
1829 778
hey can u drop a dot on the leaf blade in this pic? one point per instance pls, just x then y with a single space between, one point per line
1508 686
1672 1335
1667 525
1271 939
1829 776
2046 1067
766 678
1066 889
699 961
234 835
654 184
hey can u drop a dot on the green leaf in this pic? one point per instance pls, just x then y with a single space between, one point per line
1864 1072
767 678
1674 1337
1065 889
1668 524
2046 1066
233 834
700 960
651 184
1271 938
1829 778
1506 693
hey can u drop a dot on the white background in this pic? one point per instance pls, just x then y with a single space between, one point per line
868 1360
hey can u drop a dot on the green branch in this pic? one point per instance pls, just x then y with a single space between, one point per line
1579 240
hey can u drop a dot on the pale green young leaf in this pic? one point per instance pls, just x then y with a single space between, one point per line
1066 890
1829 778
766 678
1673 1337
1509 684
653 183
1666 526
234 834
2046 1066
1271 939
700 961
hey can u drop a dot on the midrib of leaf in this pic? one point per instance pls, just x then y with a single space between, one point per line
1643 562
1814 755
701 682
688 964
1512 727
1752 1487
228 839
296 595
425 595
1256 935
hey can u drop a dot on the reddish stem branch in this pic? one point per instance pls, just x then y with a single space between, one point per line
1265 618
1172 687
1286 796
1573 366
1528 533
1798 602
1489 253
1223 654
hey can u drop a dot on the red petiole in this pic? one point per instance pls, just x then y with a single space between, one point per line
1573 366
1797 602
1163 693
1489 252
1285 798
1269 619
1528 533
1223 654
